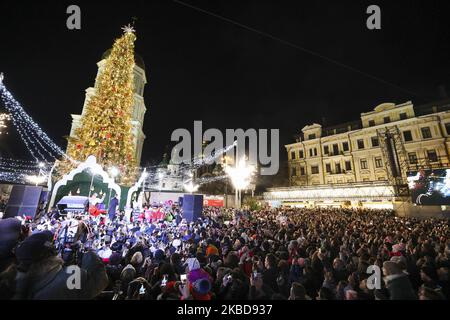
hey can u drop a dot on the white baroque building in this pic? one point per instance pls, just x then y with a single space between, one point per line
355 152
139 107
366 160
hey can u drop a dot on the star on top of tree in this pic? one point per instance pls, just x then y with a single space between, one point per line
128 29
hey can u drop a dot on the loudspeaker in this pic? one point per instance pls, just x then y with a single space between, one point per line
192 207
24 200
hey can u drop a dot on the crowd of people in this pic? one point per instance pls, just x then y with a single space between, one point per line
228 254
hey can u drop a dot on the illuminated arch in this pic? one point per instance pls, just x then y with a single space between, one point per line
90 163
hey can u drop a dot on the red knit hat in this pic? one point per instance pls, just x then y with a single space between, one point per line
212 250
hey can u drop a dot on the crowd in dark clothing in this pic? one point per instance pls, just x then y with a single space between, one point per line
229 254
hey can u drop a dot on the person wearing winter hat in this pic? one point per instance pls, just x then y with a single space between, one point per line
115 258
42 276
137 259
401 261
212 250
298 292
429 276
35 248
10 234
138 289
105 253
192 264
116 246
114 268
201 289
159 255
195 272
397 282
426 293
126 276
171 291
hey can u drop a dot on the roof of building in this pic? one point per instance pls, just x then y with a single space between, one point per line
420 110
137 58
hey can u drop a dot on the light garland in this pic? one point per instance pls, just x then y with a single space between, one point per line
16 170
36 140
13 163
12 177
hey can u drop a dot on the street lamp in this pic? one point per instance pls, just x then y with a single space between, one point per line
93 172
37 180
114 171
191 187
240 176
160 177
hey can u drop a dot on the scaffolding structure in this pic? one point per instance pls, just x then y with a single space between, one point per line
395 158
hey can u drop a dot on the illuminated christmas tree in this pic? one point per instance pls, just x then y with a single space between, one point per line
105 129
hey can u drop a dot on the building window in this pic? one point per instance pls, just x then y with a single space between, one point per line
293 171
302 171
328 168
426 132
293 155
348 166
315 151
364 164
447 128
386 119
345 146
301 155
326 150
375 142
403 116
378 162
412 156
432 155
312 136
310 152
407 136
335 149
315 169
338 168
371 123
361 144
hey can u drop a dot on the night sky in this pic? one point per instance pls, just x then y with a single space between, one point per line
200 67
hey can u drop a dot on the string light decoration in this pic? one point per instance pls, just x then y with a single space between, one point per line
3 118
36 140
12 177
105 128
20 171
